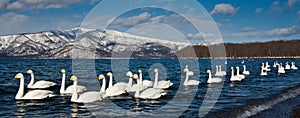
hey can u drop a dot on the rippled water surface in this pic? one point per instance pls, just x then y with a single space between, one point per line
246 98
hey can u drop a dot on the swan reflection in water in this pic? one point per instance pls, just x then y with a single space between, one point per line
74 110
20 110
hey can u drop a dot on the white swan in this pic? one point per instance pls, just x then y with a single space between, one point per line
187 74
163 84
245 72
265 67
150 93
262 71
222 72
117 89
233 77
69 89
281 69
90 96
275 64
294 66
243 62
147 83
287 66
213 80
238 73
218 73
34 94
133 87
39 84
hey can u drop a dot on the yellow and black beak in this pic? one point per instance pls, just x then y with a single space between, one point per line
72 78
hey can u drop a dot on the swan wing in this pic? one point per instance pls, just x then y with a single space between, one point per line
152 93
193 82
147 83
216 80
80 89
38 94
134 87
164 84
43 84
89 97
122 85
114 91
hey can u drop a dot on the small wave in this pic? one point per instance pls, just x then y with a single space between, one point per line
259 108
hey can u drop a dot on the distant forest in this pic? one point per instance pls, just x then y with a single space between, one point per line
289 48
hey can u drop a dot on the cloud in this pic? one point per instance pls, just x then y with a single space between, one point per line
259 10
39 4
10 22
247 29
283 32
226 9
201 36
132 21
291 3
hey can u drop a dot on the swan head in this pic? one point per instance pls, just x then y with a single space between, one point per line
109 74
231 68
237 67
139 71
29 71
186 69
63 71
129 74
208 71
155 70
135 76
100 77
19 75
244 65
73 78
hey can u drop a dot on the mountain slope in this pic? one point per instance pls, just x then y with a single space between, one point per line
85 43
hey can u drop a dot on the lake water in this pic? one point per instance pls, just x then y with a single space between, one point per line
229 99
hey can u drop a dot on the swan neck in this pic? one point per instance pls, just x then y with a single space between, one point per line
232 73
186 78
209 76
63 82
237 71
21 89
155 80
137 92
74 94
31 80
102 90
130 82
110 81
141 78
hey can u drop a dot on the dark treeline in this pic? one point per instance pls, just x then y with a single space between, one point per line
280 48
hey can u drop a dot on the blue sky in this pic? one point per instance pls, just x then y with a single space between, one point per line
236 20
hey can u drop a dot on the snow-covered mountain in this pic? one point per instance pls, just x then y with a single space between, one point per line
85 43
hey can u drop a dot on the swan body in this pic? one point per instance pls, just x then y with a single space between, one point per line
275 64
69 89
213 80
134 87
266 68
245 72
267 65
115 90
287 66
233 77
90 96
31 95
42 84
187 74
263 72
149 93
281 69
238 73
219 72
294 66
162 84
147 83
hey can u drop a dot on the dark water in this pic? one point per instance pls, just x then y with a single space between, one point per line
250 97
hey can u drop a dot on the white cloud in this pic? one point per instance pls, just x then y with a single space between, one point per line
259 10
226 9
3 4
283 32
202 35
247 29
40 4
132 21
11 22
291 3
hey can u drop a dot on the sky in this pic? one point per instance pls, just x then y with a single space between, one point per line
230 21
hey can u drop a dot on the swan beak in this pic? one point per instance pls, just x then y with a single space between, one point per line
101 77
17 76
72 78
